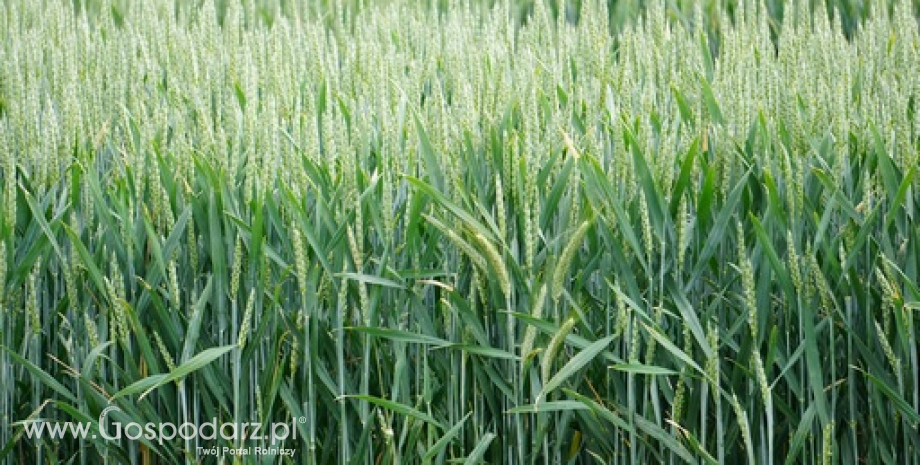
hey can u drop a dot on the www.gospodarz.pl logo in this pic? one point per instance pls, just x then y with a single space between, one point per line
163 432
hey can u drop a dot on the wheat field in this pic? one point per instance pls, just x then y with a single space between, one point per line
462 232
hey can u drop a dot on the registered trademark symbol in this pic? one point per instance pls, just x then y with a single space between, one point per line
302 420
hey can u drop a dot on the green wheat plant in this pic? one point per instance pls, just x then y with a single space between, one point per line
524 232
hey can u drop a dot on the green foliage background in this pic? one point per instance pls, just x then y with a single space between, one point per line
636 232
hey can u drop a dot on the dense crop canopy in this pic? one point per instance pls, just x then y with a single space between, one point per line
503 234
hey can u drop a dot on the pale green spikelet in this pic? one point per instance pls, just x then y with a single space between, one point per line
827 441
386 208
529 233
477 258
355 250
623 315
3 264
556 343
127 230
799 191
118 280
565 260
32 305
479 290
247 319
794 264
112 313
822 288
790 182
507 174
192 244
174 283
712 363
494 258
71 272
684 231
300 260
635 339
295 354
647 238
164 352
364 301
9 189
169 220
91 331
474 255
681 390
761 376
266 272
237 268
743 424
893 359
118 322
747 283
342 300
573 187
890 293
500 207
531 333
260 407
385 428
357 255
250 182
808 284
